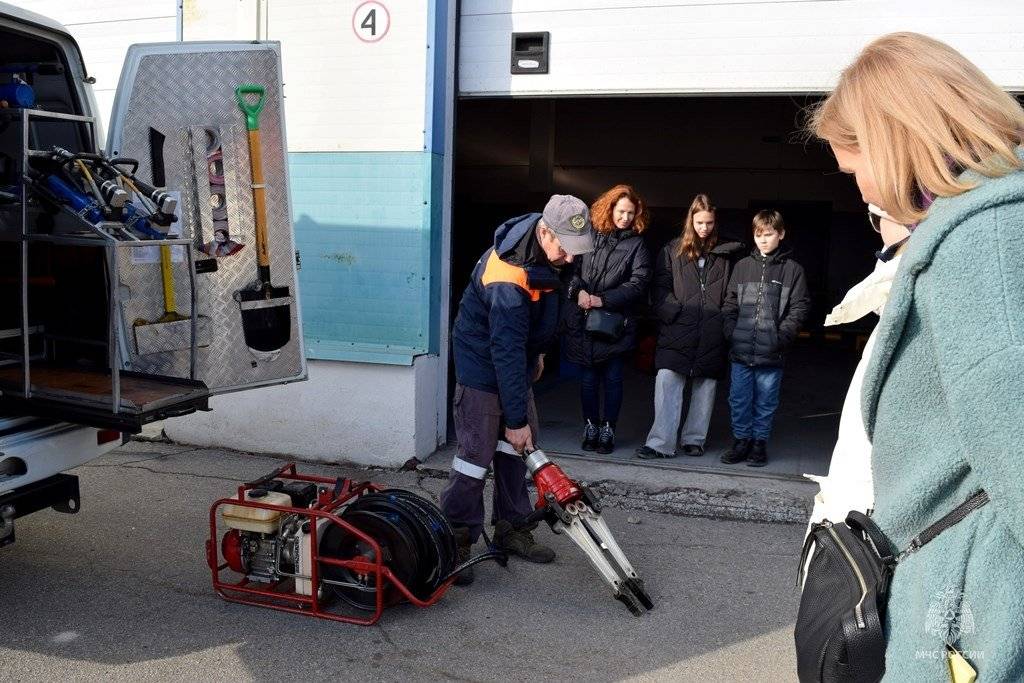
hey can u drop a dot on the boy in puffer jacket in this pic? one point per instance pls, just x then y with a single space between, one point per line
765 306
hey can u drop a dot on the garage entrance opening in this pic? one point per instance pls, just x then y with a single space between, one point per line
745 152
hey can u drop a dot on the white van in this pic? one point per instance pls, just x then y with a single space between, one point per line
105 327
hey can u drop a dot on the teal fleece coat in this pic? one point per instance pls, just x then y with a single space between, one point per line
943 403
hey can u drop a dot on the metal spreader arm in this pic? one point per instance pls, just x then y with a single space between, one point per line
573 509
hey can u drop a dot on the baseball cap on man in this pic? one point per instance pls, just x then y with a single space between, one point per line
569 218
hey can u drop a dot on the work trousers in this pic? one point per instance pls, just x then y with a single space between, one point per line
669 387
478 426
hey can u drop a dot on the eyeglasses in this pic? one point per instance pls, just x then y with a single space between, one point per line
875 221
875 217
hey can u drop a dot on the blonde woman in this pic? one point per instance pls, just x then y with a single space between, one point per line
932 141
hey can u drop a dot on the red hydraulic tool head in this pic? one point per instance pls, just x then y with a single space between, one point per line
549 477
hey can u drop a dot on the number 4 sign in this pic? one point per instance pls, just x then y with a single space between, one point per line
371 21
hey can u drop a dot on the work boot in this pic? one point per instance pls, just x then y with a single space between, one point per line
738 453
589 436
463 551
606 440
693 450
758 454
521 543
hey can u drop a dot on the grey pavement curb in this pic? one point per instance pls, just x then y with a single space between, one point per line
668 489
678 490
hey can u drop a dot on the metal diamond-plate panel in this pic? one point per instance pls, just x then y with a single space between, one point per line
182 96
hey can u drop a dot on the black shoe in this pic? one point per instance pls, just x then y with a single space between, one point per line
758 454
648 453
606 440
590 436
463 548
738 453
521 543
693 450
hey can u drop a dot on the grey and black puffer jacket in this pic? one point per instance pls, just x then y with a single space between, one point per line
688 302
618 271
766 304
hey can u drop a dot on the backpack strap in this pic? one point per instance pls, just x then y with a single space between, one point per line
953 517
876 538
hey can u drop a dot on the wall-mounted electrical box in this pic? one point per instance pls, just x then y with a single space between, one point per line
530 52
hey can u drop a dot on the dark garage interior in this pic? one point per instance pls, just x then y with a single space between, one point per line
747 153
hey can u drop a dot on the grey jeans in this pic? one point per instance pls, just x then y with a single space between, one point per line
668 409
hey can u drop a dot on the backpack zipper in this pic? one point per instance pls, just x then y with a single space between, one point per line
858 609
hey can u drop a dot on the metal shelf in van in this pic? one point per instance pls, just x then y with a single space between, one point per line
82 396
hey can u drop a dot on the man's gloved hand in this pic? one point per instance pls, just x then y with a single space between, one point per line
521 439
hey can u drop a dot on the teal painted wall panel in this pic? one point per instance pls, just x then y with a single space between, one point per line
363 224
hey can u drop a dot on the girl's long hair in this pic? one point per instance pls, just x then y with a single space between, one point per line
691 246
921 113
601 210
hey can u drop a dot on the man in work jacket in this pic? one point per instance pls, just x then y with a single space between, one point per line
509 313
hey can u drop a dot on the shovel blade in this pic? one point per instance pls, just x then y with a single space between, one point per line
266 318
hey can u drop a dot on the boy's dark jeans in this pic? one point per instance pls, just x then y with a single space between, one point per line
753 399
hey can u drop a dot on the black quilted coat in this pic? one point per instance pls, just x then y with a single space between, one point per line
688 302
618 271
765 307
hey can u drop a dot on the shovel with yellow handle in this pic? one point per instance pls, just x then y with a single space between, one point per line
266 309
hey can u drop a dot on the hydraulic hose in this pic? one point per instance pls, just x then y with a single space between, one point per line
415 537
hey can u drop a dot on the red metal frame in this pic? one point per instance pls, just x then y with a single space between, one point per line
275 595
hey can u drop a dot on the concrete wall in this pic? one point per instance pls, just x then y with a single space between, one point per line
708 46
346 412
343 94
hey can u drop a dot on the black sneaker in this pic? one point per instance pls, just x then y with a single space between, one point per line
758 454
738 453
590 436
648 453
693 450
463 551
521 543
606 440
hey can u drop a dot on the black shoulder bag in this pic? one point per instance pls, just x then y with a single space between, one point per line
839 635
607 325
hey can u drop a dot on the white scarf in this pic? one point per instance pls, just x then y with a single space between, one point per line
867 296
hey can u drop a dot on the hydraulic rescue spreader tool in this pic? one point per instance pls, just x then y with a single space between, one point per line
573 509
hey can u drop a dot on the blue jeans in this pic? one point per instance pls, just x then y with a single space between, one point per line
753 399
608 373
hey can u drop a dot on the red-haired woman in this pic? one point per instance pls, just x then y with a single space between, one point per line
607 287
690 279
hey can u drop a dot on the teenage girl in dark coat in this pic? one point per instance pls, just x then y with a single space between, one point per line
614 277
690 280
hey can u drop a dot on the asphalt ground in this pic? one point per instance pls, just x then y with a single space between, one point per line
121 591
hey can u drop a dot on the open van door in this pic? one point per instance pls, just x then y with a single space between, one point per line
101 326
179 112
